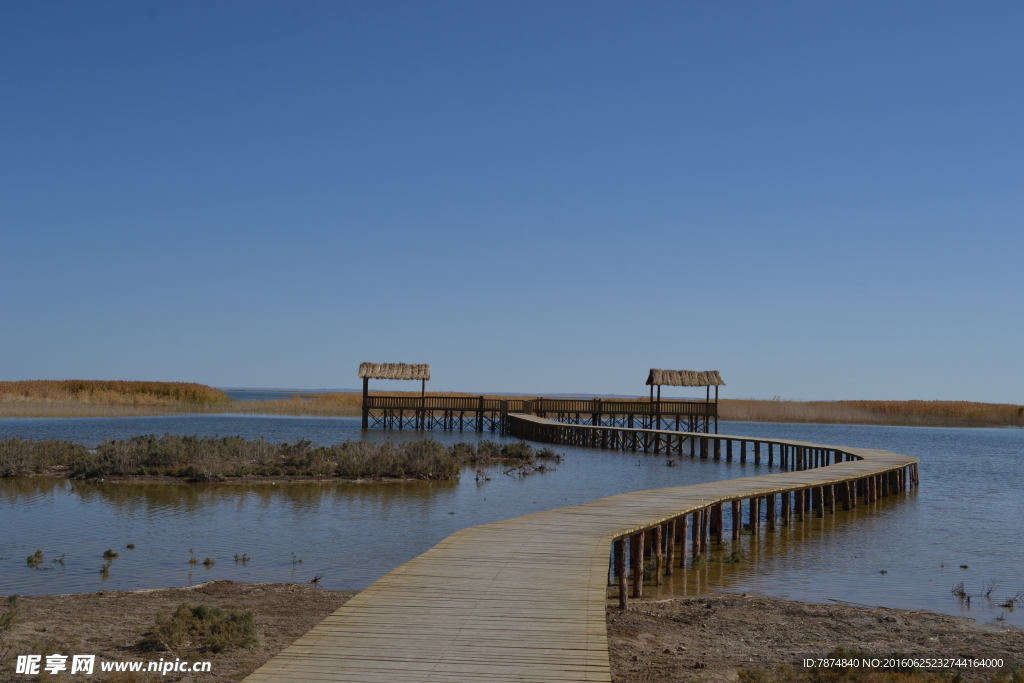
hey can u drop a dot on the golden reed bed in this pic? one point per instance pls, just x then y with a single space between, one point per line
87 398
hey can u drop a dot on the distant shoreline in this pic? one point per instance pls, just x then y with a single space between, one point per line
81 398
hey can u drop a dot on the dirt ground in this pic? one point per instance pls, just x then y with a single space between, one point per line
709 639
688 639
111 624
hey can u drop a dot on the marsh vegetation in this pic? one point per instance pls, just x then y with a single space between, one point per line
199 459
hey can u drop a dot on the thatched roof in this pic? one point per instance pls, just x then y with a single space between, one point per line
685 378
394 371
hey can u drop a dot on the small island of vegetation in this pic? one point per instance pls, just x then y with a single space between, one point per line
206 459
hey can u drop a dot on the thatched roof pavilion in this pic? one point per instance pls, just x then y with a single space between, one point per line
394 371
685 378
368 371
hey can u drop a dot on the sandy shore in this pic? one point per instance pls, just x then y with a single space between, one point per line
688 639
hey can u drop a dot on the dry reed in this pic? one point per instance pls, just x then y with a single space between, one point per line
126 399
896 413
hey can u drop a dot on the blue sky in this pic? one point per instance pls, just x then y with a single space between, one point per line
821 200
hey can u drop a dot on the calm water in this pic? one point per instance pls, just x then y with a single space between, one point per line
968 511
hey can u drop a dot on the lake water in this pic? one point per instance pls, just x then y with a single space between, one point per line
967 511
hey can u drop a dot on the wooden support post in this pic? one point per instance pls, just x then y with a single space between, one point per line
817 495
787 508
728 450
366 395
771 455
831 499
844 493
757 452
743 451
718 449
705 531
752 516
658 557
670 545
681 533
620 572
637 555
800 505
770 501
719 523
695 541
704 447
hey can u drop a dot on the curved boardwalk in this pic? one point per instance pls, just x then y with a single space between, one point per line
523 599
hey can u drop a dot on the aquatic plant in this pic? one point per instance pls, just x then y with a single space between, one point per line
109 554
209 562
130 546
735 557
35 559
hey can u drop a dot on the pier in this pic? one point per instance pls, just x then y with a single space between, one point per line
524 599
478 413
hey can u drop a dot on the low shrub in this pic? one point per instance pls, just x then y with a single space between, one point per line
202 628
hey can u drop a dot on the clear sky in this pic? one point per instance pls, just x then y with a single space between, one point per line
821 200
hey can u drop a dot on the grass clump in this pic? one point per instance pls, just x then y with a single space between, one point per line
735 557
35 559
10 615
202 628
109 554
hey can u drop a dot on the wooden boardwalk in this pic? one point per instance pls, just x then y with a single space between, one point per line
518 600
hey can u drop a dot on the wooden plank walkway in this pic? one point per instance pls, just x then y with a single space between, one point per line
518 600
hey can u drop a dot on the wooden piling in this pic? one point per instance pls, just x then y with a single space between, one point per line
705 531
737 520
670 545
757 452
787 507
743 451
695 541
800 494
637 555
681 533
658 558
719 523
770 502
718 449
620 572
